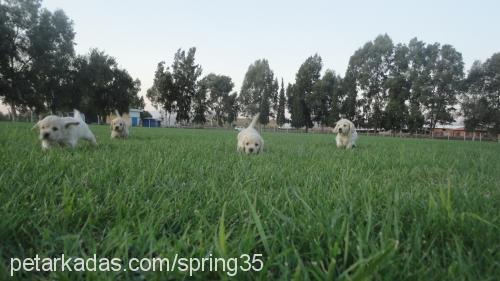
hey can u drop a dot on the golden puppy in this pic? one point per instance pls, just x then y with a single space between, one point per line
119 128
346 134
64 131
249 140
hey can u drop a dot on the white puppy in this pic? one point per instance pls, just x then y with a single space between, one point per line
346 134
64 131
119 128
249 140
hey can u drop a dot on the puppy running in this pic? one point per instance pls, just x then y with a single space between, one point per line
64 131
346 134
249 140
119 128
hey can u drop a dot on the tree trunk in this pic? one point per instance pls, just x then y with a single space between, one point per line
13 114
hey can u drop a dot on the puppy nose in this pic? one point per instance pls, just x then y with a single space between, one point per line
116 127
45 135
340 130
250 149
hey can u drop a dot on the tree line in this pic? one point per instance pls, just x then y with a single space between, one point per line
40 72
410 86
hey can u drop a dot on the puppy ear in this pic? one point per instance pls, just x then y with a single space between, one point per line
351 127
71 123
36 126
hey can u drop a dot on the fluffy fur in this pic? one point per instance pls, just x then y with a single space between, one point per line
119 128
346 134
249 140
64 131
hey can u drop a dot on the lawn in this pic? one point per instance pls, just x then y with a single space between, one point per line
392 209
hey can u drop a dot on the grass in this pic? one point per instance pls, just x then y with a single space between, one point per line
393 209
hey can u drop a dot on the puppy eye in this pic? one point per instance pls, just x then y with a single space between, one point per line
256 144
248 143
54 128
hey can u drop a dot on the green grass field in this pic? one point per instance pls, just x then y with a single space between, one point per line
392 209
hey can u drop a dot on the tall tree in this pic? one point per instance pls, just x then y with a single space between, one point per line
398 88
300 102
280 114
418 57
445 77
231 108
162 93
492 69
474 103
370 68
200 105
326 98
52 54
103 87
259 91
481 99
17 20
185 74
218 88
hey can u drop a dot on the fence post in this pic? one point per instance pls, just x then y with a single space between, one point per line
480 137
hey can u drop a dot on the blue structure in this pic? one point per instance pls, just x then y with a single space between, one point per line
135 116
135 121
151 123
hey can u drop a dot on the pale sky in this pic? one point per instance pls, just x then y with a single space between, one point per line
230 35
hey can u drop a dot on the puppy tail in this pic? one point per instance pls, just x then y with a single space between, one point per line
254 121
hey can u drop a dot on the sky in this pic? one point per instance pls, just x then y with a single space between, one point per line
231 35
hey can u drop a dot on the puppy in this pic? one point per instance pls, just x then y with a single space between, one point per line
249 140
119 128
346 134
64 131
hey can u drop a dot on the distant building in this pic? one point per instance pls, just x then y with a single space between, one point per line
459 132
151 122
133 117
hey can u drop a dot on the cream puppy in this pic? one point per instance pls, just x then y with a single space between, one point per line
119 128
249 140
64 131
346 134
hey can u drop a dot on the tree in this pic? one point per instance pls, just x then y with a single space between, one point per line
145 114
299 99
52 53
200 105
481 99
349 106
396 111
162 94
326 98
474 103
492 86
101 87
418 57
280 114
259 91
185 74
445 74
231 108
17 20
369 67
218 88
